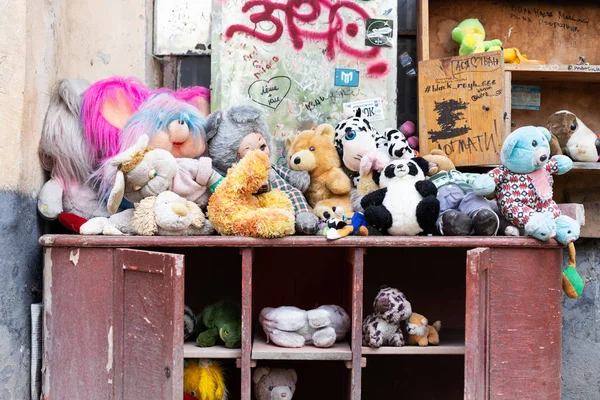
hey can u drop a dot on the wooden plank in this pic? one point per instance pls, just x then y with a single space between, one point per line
555 72
525 322
423 30
246 370
452 342
191 350
357 263
292 241
476 321
507 103
261 350
461 107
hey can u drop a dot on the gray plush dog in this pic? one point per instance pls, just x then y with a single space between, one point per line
232 133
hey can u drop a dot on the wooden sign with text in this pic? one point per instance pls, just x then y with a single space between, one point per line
461 107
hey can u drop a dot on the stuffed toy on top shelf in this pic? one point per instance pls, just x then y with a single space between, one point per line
470 35
220 323
234 132
571 137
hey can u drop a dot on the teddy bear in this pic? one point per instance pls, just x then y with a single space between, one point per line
274 383
220 322
523 185
233 209
204 379
289 326
167 214
233 132
406 204
386 325
314 151
571 137
420 333
470 34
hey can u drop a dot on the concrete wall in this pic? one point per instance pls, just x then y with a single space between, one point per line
43 41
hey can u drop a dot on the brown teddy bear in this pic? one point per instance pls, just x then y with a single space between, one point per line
274 384
314 151
420 333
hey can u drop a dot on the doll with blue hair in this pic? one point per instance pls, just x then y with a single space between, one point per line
523 191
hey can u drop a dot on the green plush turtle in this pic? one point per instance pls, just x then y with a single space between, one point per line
222 320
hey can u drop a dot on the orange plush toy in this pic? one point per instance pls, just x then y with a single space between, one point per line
420 333
233 209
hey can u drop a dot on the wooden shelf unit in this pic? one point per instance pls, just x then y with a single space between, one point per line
487 291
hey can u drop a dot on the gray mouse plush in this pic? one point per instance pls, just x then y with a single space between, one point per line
232 133
274 384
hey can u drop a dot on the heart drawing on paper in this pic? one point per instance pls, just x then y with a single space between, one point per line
270 93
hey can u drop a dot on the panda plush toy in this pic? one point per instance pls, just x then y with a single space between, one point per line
406 204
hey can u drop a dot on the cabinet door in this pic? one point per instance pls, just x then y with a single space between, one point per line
149 325
476 322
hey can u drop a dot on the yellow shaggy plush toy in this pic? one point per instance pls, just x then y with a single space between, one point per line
203 380
420 333
233 209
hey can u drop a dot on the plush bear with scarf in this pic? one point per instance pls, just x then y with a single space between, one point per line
234 132
523 188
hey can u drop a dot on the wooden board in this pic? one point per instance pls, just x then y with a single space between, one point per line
557 32
261 350
452 342
461 107
555 72
190 350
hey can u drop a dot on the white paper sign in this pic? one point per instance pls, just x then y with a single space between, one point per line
371 109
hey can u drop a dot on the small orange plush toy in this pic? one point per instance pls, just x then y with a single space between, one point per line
420 333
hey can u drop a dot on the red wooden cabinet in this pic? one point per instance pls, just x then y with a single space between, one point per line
114 314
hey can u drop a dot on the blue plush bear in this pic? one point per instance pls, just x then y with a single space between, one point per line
523 185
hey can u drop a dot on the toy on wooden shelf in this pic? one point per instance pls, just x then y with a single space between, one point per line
406 204
571 137
167 214
204 379
342 225
67 196
324 212
274 383
572 282
220 323
189 323
387 324
234 132
314 151
289 326
234 209
420 333
514 56
470 34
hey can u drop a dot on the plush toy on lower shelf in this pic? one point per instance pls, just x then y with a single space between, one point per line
419 333
274 383
203 380
386 325
220 323
571 137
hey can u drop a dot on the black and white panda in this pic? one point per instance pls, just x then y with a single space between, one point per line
395 144
406 204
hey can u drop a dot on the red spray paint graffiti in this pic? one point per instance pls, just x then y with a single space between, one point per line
293 16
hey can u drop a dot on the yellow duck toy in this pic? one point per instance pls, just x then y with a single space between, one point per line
514 56
203 380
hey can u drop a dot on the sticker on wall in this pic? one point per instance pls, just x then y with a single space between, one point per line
346 77
379 32
526 97
371 109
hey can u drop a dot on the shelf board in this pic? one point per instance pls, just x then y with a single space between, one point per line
554 72
190 350
585 166
261 350
452 342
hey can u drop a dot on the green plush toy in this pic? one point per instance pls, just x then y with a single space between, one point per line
221 320
471 37
571 280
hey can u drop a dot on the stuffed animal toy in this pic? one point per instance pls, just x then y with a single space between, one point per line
462 212
189 323
523 185
572 282
406 204
220 322
385 326
470 34
325 211
315 152
571 137
234 209
234 132
292 327
274 383
346 224
67 196
167 214
419 333
204 379
514 56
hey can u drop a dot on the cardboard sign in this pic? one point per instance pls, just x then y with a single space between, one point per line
526 97
371 109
